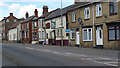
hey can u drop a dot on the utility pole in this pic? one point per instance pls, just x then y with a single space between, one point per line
61 26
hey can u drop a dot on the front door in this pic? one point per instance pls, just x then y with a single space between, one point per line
77 38
99 36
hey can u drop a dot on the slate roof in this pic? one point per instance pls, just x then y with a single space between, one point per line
35 19
65 10
58 12
44 15
28 19
15 25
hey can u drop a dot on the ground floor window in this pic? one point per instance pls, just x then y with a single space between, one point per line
72 34
35 35
32 36
43 34
113 33
27 34
40 35
14 36
87 34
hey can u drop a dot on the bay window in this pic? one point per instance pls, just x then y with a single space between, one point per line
87 34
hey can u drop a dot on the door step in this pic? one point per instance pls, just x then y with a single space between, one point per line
99 46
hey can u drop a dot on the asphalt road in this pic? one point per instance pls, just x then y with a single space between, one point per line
39 55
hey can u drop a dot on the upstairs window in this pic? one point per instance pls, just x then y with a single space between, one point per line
32 25
15 20
27 25
113 8
35 24
7 20
87 13
98 10
73 17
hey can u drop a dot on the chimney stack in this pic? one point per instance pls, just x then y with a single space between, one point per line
36 13
27 15
4 17
45 9
11 14
76 1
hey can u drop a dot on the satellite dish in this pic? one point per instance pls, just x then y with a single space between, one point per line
104 15
80 21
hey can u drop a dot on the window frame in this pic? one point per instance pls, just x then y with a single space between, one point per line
98 11
86 16
87 34
35 24
71 32
73 16
115 28
112 4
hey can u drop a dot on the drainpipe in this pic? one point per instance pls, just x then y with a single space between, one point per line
61 26
93 27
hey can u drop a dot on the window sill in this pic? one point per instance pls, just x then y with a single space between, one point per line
113 40
72 39
73 21
98 16
86 18
87 40
111 14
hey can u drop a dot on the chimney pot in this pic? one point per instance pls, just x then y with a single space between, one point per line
45 9
27 15
11 14
36 13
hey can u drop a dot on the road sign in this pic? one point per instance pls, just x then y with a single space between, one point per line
67 30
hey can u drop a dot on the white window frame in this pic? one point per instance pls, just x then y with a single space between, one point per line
35 24
98 12
25 34
87 34
87 16
43 34
72 31
40 35
73 16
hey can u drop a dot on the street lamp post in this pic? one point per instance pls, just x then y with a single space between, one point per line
61 26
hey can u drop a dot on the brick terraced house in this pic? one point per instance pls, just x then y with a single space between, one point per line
26 27
5 24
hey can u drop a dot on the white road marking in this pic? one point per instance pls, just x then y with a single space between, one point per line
84 57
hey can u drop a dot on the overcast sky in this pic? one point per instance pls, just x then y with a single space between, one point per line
20 7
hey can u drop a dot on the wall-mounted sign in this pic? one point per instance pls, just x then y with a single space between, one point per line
67 30
48 26
53 25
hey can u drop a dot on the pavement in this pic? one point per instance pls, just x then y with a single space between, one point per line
45 55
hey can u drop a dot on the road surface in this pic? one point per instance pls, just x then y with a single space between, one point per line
44 55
